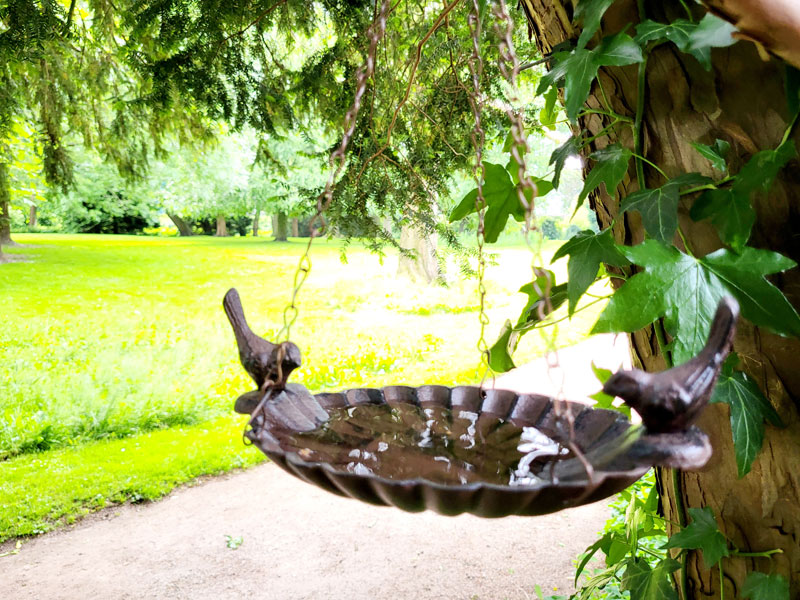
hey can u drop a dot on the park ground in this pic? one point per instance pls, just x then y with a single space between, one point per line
119 369
262 533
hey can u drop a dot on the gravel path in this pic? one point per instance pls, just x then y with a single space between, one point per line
299 542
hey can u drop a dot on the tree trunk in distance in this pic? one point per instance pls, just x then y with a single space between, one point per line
742 100
184 229
423 265
280 227
295 227
256 219
222 227
5 225
32 216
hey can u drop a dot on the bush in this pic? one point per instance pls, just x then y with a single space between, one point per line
110 211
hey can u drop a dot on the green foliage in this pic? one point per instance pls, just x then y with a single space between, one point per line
501 200
730 208
579 67
612 164
587 251
696 39
685 290
749 409
590 12
717 153
702 534
603 400
544 298
40 491
650 583
560 156
760 586
549 114
659 206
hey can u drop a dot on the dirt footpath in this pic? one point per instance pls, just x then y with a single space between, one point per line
298 542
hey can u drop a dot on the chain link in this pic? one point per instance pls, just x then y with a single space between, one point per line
508 64
478 137
336 163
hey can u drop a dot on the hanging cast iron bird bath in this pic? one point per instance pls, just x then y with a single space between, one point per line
489 452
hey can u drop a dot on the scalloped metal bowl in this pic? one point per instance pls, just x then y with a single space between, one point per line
618 452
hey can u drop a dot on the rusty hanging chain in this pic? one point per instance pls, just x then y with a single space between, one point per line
478 137
508 64
336 163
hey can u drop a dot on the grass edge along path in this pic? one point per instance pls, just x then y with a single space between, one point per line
42 491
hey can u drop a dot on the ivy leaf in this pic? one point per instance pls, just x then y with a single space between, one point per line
586 251
617 51
712 32
549 114
659 206
467 206
612 164
579 68
500 353
530 315
762 169
646 583
716 153
696 39
500 359
676 32
685 291
560 156
730 210
743 276
760 586
731 213
500 199
749 410
591 11
702 534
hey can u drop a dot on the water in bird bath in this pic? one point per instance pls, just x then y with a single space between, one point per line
407 442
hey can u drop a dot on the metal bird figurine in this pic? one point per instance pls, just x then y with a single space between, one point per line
671 400
265 362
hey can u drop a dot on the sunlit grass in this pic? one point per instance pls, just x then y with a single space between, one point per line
41 490
111 337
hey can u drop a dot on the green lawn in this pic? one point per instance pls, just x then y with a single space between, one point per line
111 342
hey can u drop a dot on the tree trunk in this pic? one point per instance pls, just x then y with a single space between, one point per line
295 227
423 265
5 225
742 101
280 227
256 219
222 227
32 216
184 228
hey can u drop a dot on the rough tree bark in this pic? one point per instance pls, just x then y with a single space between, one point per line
741 100
256 219
32 216
280 227
222 227
295 227
184 228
